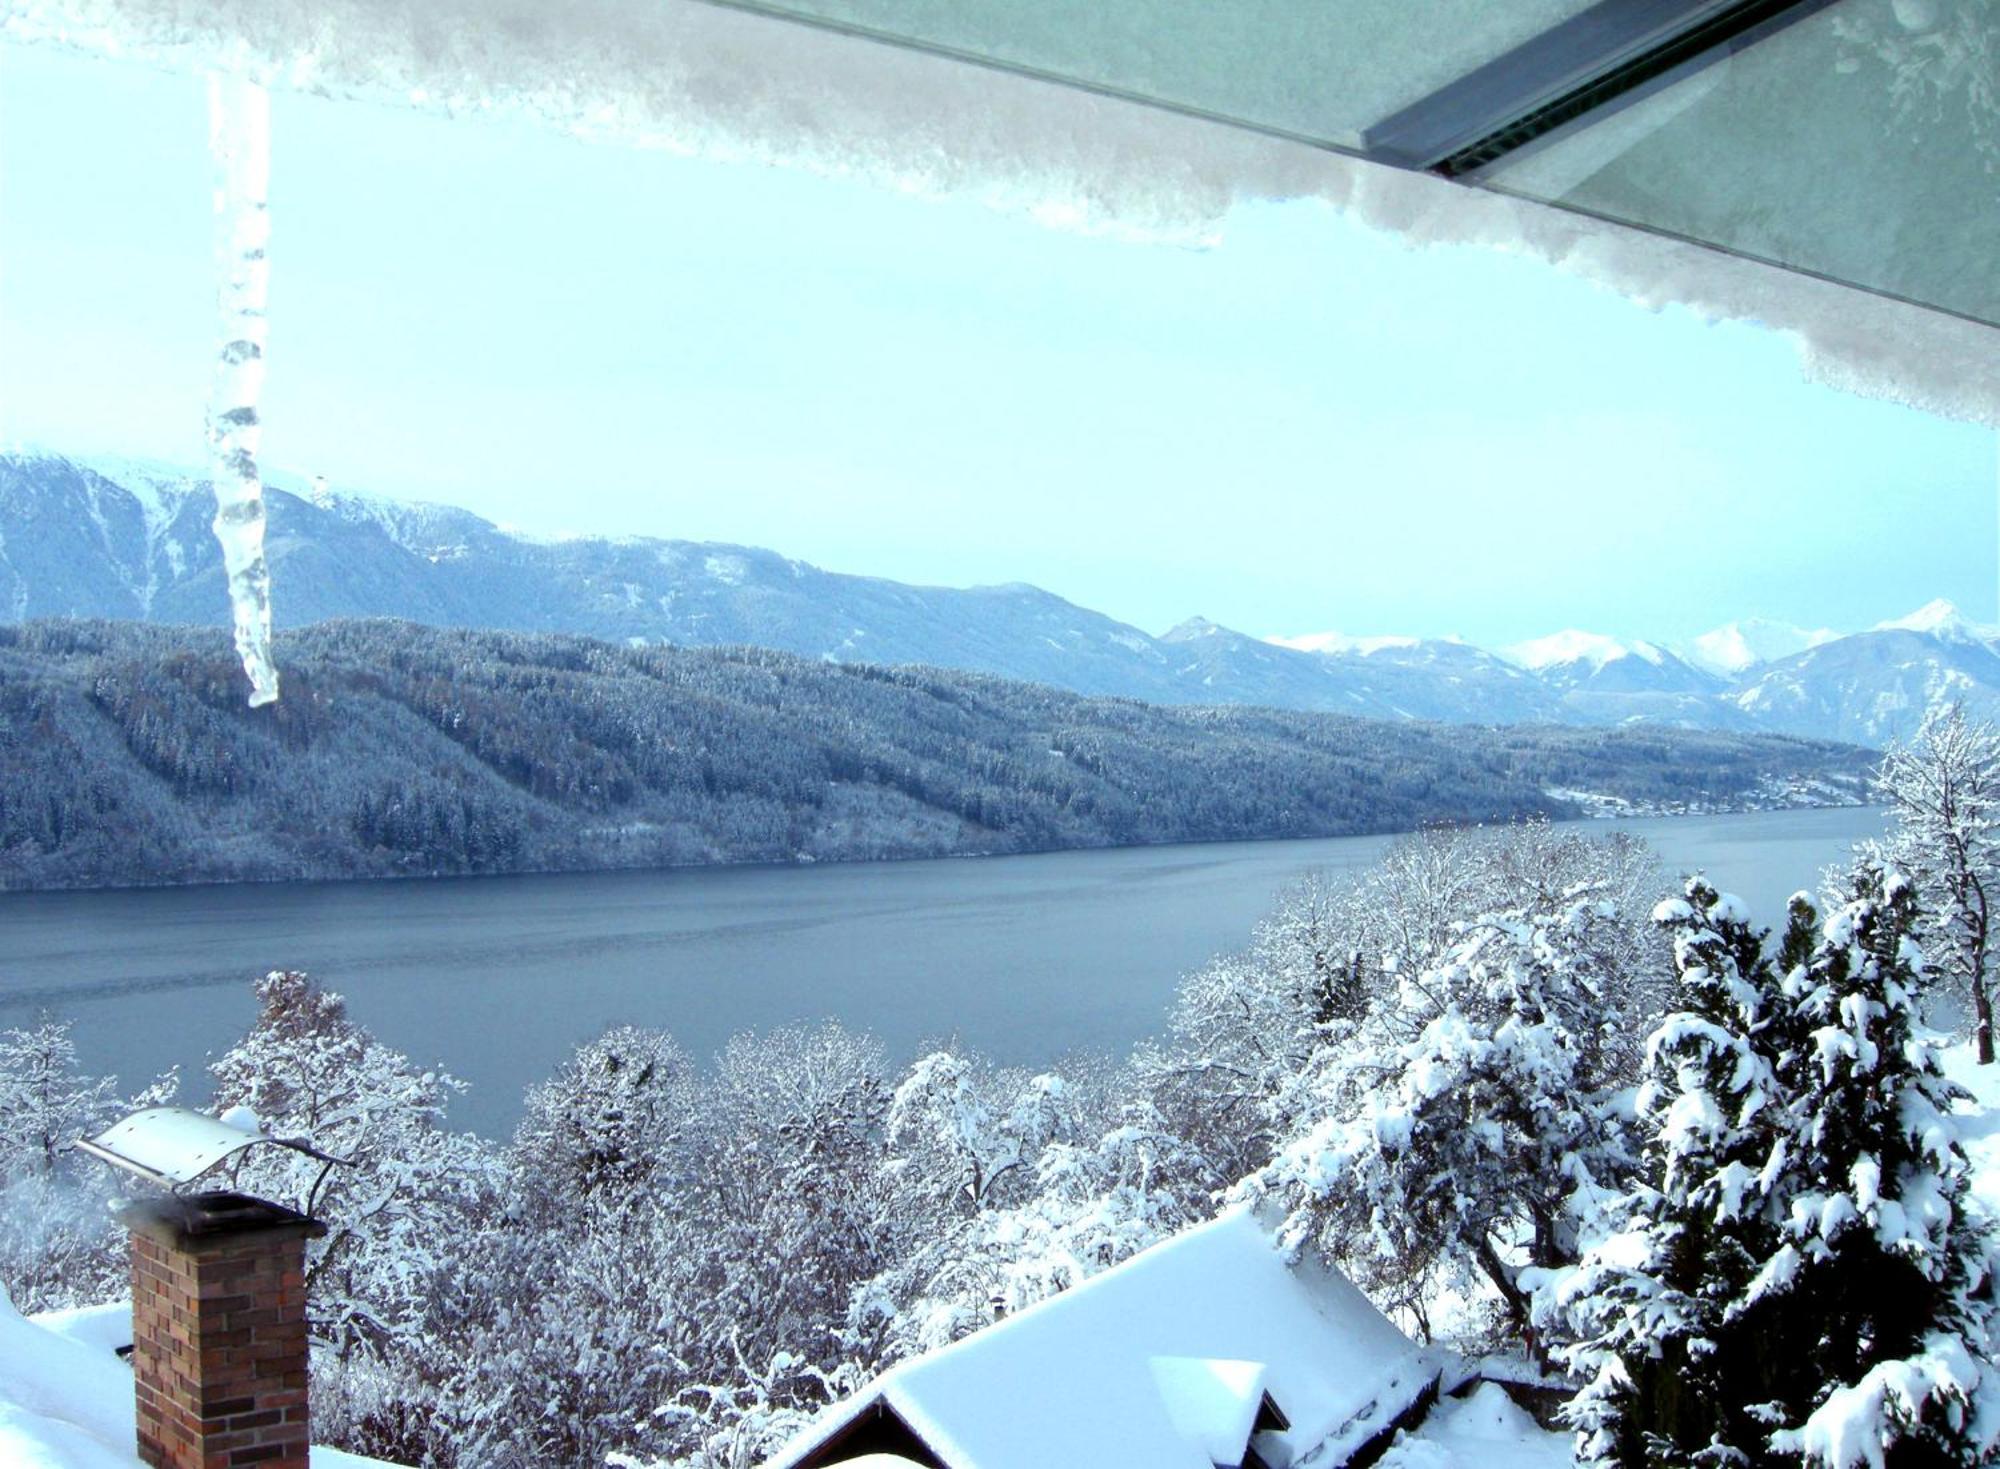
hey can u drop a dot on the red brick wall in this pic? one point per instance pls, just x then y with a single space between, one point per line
219 1346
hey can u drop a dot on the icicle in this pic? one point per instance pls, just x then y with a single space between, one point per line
239 136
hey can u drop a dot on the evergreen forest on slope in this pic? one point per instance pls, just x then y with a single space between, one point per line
127 756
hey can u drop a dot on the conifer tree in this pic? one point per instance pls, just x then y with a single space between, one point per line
1800 1279
1891 1359
1670 1353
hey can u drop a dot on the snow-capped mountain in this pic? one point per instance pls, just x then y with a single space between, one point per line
1735 646
1574 649
130 540
1603 680
1942 620
1590 661
1378 678
1333 642
1874 686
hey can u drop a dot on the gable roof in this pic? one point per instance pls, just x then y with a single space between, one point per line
1163 1362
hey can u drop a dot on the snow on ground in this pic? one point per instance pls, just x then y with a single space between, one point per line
66 1398
1982 1136
1485 1429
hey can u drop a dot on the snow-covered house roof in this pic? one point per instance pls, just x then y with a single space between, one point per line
66 1399
1209 1349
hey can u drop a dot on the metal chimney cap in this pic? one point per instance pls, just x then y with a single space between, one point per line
174 1146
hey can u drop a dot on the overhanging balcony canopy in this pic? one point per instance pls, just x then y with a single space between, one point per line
1857 140
1830 168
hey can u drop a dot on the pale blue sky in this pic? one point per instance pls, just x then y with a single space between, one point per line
1307 427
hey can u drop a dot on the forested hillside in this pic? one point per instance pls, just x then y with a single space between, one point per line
127 755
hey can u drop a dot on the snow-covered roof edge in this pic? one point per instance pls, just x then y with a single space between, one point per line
708 81
1407 1382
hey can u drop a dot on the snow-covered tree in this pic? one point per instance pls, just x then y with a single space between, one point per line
564 1325
1943 788
46 1102
1800 1277
59 1245
1670 1348
962 1141
1088 1206
1885 1267
962 1132
1488 1140
577 1333
1246 1027
794 1190
603 1128
305 1069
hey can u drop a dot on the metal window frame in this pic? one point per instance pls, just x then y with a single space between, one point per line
1571 75
1597 61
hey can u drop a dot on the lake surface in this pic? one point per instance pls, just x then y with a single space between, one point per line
497 978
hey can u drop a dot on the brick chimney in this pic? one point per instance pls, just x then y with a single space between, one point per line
219 1332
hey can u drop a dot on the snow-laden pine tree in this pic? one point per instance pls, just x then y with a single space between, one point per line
1800 1277
1943 788
1884 1267
1486 1142
1672 1357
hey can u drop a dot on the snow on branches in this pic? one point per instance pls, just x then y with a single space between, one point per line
1487 1140
1798 1275
58 1243
1943 788
305 1069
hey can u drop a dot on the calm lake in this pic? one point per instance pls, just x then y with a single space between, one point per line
1023 958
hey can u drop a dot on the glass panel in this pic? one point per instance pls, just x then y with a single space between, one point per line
1862 143
1318 69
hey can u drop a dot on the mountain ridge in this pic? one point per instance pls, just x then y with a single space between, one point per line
90 536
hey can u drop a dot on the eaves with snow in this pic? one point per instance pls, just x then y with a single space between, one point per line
1206 1350
1829 170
